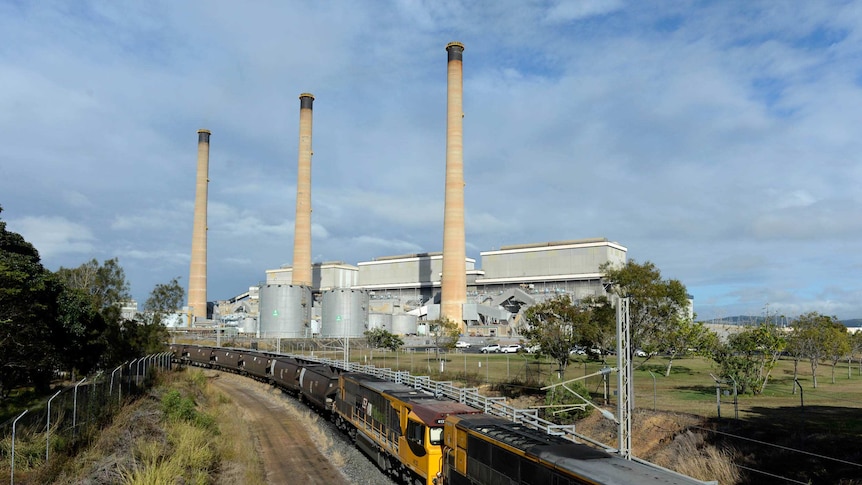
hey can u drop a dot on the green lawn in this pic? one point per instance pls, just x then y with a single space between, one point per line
689 388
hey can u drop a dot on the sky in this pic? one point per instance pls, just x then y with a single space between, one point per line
718 140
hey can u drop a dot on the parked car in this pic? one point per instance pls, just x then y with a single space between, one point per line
511 349
535 349
490 348
577 351
640 353
462 345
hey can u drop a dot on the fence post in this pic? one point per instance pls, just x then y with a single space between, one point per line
111 389
12 473
130 374
75 408
48 426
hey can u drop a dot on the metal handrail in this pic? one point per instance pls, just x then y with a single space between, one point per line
496 406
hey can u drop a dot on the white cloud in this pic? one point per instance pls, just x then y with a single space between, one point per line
54 236
715 139
565 11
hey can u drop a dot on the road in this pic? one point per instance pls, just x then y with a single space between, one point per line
288 452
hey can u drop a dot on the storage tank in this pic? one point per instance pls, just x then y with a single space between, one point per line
404 324
343 312
380 320
285 311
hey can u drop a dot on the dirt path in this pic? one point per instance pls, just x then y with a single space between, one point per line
288 453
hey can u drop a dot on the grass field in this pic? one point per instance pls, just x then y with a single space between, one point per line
689 388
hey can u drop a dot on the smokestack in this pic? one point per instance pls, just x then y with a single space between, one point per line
198 271
454 281
302 229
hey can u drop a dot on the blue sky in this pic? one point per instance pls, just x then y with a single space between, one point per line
719 140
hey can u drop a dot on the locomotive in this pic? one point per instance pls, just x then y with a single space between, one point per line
420 439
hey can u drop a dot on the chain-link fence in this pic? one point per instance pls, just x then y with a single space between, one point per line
71 417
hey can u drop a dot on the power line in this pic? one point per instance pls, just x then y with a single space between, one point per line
779 446
770 474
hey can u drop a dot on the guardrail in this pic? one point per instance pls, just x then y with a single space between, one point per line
496 406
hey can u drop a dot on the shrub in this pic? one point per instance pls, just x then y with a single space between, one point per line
563 401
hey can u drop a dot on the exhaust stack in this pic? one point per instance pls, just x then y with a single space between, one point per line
454 280
198 270
302 229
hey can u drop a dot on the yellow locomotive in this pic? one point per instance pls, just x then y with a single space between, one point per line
399 427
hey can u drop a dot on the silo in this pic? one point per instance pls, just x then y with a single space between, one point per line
343 313
248 324
380 320
285 311
404 324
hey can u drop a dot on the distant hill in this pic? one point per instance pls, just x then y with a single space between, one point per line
757 320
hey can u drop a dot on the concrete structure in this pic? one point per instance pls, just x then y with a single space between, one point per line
380 321
405 282
198 271
302 228
454 281
410 286
324 276
241 311
405 324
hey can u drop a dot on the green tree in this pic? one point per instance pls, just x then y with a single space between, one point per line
105 284
657 307
811 335
565 407
837 344
856 349
380 338
685 335
445 333
80 333
164 299
749 356
556 326
28 306
90 314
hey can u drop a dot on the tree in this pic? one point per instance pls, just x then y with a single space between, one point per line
28 298
445 333
164 299
80 332
556 326
106 284
856 349
749 356
656 306
811 334
686 335
380 338
837 344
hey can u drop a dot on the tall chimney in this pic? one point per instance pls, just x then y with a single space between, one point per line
198 270
302 229
454 281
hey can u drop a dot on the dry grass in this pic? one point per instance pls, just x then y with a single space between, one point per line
240 463
690 455
142 446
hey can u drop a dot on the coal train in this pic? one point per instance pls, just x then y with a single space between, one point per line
419 439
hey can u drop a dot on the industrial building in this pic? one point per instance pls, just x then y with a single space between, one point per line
399 293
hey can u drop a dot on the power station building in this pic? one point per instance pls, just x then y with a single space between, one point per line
399 293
